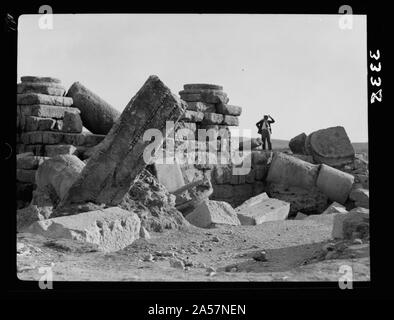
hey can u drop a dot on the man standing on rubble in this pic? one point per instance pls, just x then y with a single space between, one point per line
264 127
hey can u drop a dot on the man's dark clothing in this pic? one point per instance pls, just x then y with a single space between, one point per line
264 127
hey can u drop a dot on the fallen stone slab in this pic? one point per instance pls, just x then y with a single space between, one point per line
111 229
28 161
309 201
40 87
207 97
361 197
57 175
202 86
111 171
228 109
45 111
210 213
331 146
261 208
98 116
292 171
35 79
297 144
334 183
335 207
53 137
201 107
300 216
38 98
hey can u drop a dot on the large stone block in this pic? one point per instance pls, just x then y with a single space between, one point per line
58 174
170 176
110 229
32 123
207 96
121 156
34 79
39 98
297 144
41 87
230 120
72 122
335 208
289 170
44 111
310 201
261 209
210 213
97 115
334 183
228 109
331 146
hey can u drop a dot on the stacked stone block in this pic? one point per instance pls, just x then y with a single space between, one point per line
47 125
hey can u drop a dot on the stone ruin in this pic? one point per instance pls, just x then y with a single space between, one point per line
99 186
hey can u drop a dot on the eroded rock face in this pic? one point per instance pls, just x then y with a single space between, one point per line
354 224
111 170
330 146
111 229
153 204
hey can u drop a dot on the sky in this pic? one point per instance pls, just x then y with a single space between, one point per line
303 70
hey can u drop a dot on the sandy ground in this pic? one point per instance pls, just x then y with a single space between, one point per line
294 252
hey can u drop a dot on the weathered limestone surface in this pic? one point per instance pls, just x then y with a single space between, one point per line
55 150
111 171
97 115
32 123
334 183
72 122
351 225
261 209
45 111
211 212
289 170
212 118
230 120
41 87
193 116
202 86
335 207
39 98
111 229
331 146
23 175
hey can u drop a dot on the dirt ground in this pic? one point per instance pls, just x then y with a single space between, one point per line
296 250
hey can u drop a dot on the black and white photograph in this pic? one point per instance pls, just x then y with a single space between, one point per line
193 147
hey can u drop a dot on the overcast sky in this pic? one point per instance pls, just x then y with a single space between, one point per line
303 70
